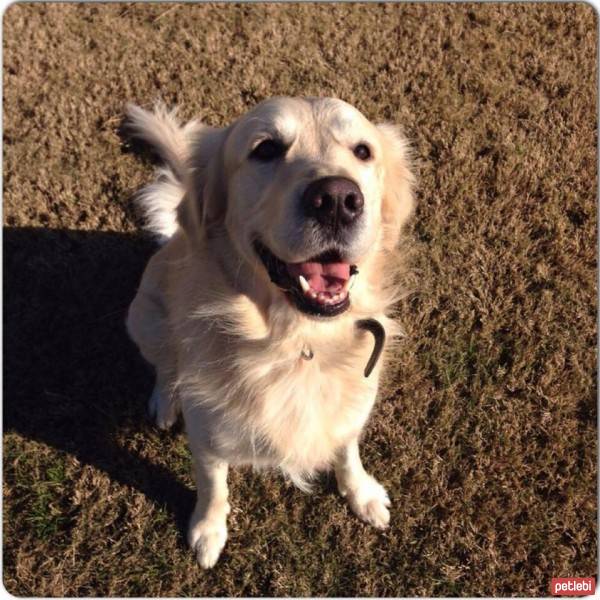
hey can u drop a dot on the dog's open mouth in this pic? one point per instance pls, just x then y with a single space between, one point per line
318 286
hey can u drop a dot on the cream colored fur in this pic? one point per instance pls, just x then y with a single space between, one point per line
225 341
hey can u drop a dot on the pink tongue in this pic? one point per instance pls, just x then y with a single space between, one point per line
328 277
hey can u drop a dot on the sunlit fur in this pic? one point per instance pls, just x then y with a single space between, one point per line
225 341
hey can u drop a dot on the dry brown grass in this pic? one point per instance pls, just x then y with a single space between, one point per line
488 445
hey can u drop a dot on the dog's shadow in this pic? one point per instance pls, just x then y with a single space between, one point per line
72 377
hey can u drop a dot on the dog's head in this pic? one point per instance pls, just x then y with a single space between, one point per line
307 190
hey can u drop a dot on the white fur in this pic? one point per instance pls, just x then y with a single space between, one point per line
225 341
162 131
207 532
367 498
158 204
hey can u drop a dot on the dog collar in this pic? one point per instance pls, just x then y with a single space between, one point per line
307 353
374 327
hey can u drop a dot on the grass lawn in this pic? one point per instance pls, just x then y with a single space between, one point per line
487 437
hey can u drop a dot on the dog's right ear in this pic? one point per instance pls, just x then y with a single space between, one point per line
398 198
205 203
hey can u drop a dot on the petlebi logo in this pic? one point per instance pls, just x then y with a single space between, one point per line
573 586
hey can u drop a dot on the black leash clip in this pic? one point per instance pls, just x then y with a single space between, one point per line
376 328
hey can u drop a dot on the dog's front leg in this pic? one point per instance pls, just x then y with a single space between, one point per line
367 498
208 526
163 404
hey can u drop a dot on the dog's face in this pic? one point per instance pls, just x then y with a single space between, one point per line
308 189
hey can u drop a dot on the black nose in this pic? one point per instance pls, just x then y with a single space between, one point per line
333 201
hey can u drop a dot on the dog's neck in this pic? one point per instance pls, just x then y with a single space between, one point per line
242 279
238 274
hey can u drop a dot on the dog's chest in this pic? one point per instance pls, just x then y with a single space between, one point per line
293 404
289 393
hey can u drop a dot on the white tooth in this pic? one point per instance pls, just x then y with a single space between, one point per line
351 282
303 283
312 294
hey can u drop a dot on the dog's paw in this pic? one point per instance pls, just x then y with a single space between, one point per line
207 538
162 410
369 501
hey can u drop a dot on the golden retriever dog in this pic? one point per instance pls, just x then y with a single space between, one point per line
264 310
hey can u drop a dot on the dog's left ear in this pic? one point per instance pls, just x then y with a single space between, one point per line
398 198
206 202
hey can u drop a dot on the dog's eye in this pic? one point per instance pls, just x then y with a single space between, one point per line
268 150
362 152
